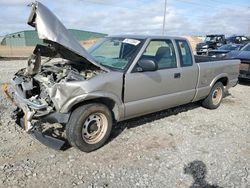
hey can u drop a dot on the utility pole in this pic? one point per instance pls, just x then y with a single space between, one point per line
10 43
249 24
164 18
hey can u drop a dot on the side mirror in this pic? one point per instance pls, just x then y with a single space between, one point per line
147 65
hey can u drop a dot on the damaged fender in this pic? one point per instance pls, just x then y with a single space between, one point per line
95 88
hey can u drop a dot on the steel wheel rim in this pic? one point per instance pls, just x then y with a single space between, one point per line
94 128
217 96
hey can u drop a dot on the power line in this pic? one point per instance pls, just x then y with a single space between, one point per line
205 5
221 2
109 5
214 1
194 3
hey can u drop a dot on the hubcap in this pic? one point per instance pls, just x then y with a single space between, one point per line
217 96
94 128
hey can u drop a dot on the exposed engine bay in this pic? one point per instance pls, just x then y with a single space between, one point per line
31 84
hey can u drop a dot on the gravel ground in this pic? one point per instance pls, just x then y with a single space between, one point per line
187 146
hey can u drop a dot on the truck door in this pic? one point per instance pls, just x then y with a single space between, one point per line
189 70
147 92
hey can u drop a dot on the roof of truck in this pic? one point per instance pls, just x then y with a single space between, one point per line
147 37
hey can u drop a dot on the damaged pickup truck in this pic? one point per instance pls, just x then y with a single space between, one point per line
117 79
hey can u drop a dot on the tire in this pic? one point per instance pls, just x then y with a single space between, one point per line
89 127
213 100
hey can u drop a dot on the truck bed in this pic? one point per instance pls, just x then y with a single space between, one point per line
214 68
202 59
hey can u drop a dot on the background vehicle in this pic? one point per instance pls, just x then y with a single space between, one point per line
244 56
238 39
211 42
119 78
223 50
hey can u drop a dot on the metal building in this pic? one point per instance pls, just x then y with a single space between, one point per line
30 37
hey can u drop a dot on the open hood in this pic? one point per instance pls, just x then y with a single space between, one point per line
53 32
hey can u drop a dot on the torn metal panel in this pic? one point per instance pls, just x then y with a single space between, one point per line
107 85
34 64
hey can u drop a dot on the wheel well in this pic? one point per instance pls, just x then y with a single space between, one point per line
223 80
106 101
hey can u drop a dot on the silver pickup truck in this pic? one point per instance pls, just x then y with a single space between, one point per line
119 78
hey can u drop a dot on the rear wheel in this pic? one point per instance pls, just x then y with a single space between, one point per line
215 96
89 127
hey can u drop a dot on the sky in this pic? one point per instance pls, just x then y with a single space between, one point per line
183 17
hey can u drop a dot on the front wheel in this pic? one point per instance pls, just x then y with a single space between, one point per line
89 127
215 96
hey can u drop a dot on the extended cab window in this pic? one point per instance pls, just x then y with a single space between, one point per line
161 52
184 53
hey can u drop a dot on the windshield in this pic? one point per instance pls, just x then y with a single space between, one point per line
210 39
115 53
229 47
246 48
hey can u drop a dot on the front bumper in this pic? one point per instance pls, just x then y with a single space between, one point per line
27 106
25 114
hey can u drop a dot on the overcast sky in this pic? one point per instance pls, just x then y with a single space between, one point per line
184 17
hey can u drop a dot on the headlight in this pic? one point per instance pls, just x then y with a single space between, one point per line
205 46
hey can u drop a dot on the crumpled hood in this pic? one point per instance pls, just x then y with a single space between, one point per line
54 32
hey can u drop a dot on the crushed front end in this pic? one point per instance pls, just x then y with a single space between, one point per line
30 112
32 89
29 91
34 106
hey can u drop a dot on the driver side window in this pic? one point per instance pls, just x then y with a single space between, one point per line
162 53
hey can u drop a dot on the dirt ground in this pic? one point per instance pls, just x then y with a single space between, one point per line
181 147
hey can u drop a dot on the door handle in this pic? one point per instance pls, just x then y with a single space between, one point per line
177 75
